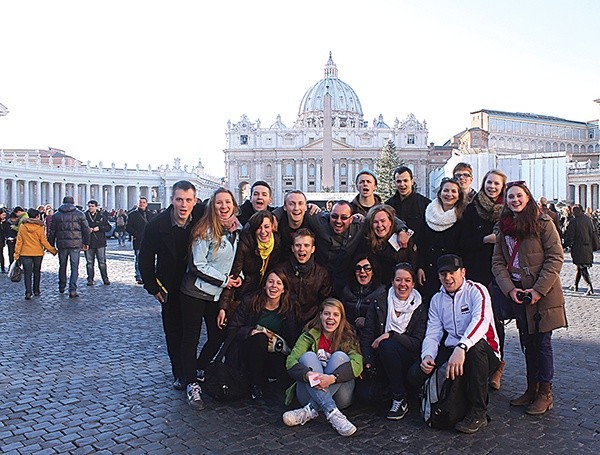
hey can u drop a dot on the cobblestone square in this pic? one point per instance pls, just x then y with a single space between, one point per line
91 375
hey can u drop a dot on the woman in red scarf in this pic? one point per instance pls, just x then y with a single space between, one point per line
527 260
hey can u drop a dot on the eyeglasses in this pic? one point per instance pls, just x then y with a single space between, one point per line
517 183
335 216
366 268
460 175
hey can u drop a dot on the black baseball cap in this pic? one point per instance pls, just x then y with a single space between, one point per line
449 263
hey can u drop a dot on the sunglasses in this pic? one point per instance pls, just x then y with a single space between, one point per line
517 183
449 179
335 216
366 268
465 175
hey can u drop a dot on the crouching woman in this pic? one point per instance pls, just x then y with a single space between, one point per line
324 363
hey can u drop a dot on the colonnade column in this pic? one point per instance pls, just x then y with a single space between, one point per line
305 175
13 194
278 184
63 192
51 194
318 175
588 197
111 197
26 202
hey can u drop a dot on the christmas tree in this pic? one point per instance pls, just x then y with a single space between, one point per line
386 164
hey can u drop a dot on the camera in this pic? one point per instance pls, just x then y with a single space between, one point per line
278 345
524 297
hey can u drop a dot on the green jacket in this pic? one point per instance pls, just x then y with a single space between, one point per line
309 341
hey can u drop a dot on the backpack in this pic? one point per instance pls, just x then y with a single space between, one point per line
444 401
225 380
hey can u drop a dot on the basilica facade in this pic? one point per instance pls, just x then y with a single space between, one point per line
303 155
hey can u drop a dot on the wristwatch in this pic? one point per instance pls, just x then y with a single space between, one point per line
462 346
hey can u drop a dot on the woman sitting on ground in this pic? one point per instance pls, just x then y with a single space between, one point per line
324 362
392 336
266 327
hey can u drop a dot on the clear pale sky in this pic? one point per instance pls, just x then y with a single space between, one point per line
146 81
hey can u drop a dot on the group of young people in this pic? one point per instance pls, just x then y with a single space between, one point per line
365 299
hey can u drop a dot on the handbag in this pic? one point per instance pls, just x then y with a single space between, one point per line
15 272
276 342
225 379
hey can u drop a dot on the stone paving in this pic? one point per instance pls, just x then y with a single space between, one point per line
91 375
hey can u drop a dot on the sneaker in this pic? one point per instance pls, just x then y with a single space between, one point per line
299 416
471 423
341 423
139 281
257 393
398 410
200 375
178 384
194 395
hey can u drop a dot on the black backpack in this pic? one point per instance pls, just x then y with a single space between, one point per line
444 401
225 378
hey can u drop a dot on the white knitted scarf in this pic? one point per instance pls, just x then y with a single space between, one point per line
437 219
400 311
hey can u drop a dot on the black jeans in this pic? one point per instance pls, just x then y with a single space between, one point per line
172 319
193 312
32 267
396 361
260 363
480 362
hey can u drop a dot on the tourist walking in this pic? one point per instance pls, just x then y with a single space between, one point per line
580 236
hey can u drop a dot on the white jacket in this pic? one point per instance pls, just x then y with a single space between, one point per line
467 317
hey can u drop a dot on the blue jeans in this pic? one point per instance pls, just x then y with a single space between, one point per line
337 395
138 275
32 266
96 253
72 255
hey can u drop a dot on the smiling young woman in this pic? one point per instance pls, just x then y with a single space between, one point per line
324 363
527 260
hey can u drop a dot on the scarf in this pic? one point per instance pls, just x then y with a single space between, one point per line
405 309
508 227
264 250
487 209
437 219
302 269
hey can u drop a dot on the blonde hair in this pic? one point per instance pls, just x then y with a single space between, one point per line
344 337
209 227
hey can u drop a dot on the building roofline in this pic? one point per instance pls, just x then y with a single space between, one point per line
529 115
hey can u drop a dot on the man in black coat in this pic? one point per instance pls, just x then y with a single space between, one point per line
409 205
136 222
70 233
99 225
163 257
260 199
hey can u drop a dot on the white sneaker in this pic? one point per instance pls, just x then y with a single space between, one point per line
299 416
194 395
341 423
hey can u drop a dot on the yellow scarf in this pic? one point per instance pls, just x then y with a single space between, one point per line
264 251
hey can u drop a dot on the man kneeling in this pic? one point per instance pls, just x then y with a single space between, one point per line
462 310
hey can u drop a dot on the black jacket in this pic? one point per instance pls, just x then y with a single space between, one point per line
246 211
69 228
99 220
411 339
136 222
164 251
358 299
477 256
411 210
578 236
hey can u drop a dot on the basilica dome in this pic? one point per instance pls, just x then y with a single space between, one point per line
345 105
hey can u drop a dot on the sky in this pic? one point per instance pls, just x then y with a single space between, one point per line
143 82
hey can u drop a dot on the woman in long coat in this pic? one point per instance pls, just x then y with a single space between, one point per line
579 236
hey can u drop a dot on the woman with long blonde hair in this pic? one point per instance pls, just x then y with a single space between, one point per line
324 363
214 242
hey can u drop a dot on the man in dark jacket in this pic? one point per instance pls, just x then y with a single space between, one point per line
136 222
366 184
310 283
70 233
163 258
98 222
409 205
260 199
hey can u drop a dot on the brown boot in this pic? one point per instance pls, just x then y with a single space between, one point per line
528 397
543 400
497 376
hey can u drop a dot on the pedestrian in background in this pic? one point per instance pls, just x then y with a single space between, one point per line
70 233
136 223
99 226
579 236
30 246
120 223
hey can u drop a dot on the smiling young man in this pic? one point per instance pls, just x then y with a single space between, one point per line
310 283
409 205
463 172
461 309
366 184
260 199
163 262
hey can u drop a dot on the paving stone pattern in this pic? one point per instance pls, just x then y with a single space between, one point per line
91 375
